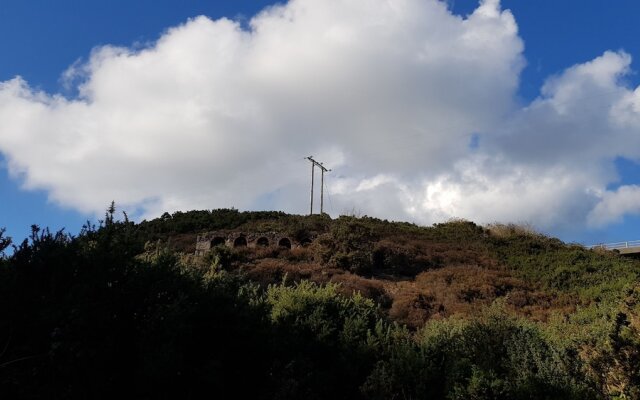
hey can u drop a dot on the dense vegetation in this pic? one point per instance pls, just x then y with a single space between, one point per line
371 310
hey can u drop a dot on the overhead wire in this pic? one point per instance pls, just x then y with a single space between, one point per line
329 196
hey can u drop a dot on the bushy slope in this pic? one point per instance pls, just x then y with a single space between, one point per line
417 272
372 309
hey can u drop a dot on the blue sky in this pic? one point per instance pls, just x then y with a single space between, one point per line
40 39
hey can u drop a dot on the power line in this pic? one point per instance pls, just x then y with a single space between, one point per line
329 197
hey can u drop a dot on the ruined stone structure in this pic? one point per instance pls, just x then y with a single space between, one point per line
207 241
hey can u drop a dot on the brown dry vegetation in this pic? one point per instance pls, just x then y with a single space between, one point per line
415 280
464 291
437 292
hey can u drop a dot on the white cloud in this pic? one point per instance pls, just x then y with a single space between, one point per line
577 119
615 204
212 115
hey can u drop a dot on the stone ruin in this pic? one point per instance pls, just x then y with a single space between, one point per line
209 240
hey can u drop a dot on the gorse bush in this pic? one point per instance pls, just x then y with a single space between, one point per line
499 356
81 318
5 242
494 356
320 311
613 359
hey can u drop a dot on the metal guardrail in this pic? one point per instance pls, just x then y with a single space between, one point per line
617 245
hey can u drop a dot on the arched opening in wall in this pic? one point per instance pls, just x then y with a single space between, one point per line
240 241
217 241
262 242
285 242
305 242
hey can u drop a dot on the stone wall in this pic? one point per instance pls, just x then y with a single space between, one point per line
207 241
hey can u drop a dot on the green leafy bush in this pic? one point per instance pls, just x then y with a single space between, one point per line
495 356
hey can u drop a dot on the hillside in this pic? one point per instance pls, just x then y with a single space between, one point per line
417 273
356 308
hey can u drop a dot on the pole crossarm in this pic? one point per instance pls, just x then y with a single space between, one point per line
318 164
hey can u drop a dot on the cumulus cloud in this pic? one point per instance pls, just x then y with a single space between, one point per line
615 204
214 115
550 162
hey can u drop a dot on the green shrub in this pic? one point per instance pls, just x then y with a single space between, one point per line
495 356
615 364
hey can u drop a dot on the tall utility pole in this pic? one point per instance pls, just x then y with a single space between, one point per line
322 188
313 173
315 164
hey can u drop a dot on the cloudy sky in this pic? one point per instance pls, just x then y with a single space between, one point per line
425 110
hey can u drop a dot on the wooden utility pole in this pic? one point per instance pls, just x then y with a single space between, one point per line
322 190
314 164
313 173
